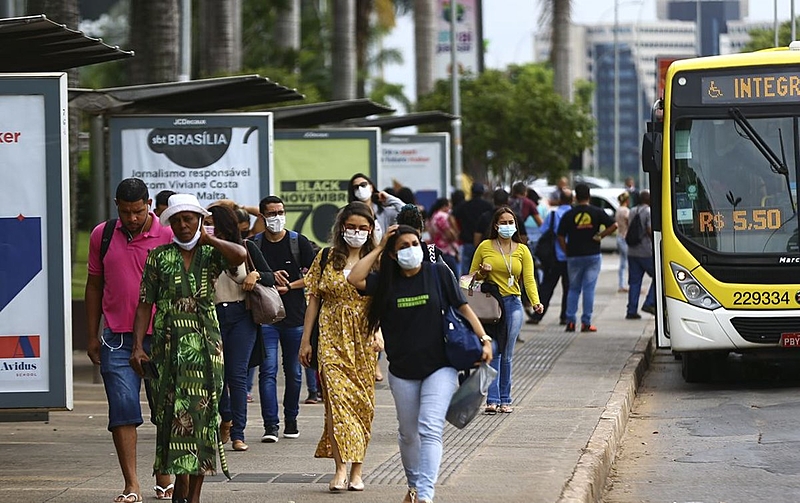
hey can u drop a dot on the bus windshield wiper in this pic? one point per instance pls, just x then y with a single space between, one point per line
777 164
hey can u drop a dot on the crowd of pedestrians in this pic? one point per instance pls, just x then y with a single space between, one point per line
171 285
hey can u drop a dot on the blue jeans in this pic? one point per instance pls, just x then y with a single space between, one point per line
638 266
121 382
421 407
289 339
467 251
583 272
238 338
500 389
622 248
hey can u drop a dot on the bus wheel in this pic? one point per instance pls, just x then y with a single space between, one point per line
702 366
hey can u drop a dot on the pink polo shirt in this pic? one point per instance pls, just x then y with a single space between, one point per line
121 270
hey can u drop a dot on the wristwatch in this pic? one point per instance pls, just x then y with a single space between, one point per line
486 338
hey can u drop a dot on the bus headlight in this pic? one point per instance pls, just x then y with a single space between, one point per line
694 292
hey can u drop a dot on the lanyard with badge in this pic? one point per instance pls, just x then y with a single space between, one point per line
507 263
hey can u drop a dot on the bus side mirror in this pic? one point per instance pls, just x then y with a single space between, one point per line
652 148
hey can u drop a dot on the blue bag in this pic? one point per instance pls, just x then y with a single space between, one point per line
462 347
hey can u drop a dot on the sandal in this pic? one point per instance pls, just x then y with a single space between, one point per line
164 493
505 409
128 498
490 409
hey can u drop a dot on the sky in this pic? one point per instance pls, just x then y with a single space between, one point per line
510 25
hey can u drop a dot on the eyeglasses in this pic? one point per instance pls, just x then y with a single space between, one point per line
363 185
274 213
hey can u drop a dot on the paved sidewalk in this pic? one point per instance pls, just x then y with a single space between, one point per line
571 399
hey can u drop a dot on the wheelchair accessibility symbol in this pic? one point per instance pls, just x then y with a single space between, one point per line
714 91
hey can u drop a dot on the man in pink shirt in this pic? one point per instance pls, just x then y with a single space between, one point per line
112 289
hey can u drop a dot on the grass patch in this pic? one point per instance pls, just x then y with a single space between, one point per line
80 266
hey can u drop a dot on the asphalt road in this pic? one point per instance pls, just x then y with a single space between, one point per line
733 440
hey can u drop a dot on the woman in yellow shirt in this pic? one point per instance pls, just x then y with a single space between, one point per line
503 259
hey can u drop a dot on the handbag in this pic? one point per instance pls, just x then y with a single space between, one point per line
484 305
462 347
314 364
467 399
545 250
264 302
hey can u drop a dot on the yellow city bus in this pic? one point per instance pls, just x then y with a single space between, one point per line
722 151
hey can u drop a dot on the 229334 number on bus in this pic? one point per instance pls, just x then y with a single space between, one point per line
764 298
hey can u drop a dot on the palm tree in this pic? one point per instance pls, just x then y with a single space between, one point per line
287 26
424 44
154 37
344 50
218 39
558 13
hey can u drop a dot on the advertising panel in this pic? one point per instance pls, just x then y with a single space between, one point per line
214 156
419 162
35 303
312 170
468 43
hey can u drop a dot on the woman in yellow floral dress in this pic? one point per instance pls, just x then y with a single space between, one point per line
346 351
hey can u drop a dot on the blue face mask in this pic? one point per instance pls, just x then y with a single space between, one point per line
410 258
506 230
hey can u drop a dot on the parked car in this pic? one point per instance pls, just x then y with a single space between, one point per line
607 200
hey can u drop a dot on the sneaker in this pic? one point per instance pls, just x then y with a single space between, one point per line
290 429
311 399
562 322
649 309
570 327
633 316
588 328
249 398
270 434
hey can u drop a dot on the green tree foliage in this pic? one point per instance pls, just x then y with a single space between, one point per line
765 39
514 125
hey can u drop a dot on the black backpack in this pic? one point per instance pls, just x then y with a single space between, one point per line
545 249
635 230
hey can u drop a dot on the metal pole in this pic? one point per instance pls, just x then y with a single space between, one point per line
775 22
186 41
616 92
97 164
794 25
454 79
698 16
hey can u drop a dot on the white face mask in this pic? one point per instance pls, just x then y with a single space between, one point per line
377 234
410 258
355 238
192 242
364 194
275 224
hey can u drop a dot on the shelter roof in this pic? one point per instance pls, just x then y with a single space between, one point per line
194 96
328 112
37 44
387 122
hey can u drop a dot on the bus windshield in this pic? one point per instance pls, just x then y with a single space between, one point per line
727 195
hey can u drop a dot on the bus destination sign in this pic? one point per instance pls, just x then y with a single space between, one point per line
751 88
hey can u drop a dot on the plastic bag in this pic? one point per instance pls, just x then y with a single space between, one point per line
468 398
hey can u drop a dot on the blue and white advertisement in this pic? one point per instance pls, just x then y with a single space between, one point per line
420 162
35 303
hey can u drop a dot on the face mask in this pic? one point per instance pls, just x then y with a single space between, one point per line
507 230
355 238
209 229
275 224
377 234
410 258
363 194
188 246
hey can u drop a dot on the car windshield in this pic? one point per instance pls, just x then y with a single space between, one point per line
728 197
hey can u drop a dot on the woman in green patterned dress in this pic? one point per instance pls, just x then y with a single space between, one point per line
186 347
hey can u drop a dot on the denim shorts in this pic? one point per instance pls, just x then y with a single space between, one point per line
121 382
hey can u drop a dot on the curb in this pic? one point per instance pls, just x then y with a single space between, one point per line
588 480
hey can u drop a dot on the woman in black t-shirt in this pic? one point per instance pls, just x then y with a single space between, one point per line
407 307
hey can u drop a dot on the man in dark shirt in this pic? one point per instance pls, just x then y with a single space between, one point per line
579 234
467 215
289 254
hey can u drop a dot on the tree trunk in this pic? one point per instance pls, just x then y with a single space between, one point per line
216 38
424 44
364 10
344 50
155 31
559 52
66 12
287 26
